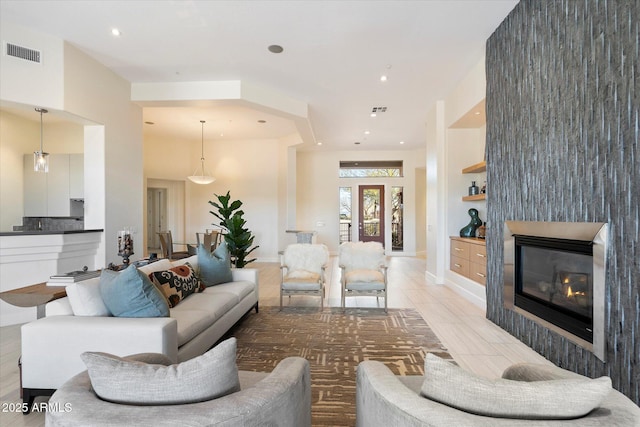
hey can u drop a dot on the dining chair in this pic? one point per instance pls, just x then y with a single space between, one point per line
208 240
363 270
219 235
166 246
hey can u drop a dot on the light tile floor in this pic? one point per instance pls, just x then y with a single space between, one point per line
474 342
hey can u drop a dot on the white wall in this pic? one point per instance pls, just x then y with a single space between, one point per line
113 172
28 82
421 211
465 147
436 197
450 150
318 185
70 81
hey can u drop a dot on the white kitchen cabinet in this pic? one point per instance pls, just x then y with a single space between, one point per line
76 176
35 189
49 194
58 203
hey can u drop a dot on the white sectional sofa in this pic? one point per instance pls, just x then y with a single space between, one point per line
51 346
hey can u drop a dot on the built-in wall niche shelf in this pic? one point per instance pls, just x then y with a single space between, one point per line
477 168
474 198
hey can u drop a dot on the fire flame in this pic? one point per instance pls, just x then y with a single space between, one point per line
570 293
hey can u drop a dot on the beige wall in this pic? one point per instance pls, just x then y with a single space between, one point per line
249 169
318 200
14 131
257 172
20 136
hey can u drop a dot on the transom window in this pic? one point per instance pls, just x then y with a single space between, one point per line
371 169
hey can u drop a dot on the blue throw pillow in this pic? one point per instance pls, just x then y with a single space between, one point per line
215 267
130 293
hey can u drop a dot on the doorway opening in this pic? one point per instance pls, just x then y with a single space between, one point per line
165 211
156 217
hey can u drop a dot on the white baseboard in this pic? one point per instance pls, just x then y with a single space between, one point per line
431 278
468 289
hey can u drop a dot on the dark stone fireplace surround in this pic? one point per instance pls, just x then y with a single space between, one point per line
562 145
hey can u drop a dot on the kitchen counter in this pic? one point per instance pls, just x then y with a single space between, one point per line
29 257
46 232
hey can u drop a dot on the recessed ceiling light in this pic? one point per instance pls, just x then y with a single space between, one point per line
401 142
373 114
383 78
149 123
275 48
477 113
116 32
366 132
319 143
262 121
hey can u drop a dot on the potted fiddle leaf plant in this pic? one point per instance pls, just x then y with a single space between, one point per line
239 239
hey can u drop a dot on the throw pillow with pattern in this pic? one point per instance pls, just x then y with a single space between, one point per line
177 283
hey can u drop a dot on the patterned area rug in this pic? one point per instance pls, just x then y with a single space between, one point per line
334 343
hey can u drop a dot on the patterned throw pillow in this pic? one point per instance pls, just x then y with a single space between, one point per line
177 283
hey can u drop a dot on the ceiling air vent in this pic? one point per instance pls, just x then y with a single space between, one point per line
22 52
379 109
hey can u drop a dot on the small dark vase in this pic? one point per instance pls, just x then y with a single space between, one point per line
470 229
473 190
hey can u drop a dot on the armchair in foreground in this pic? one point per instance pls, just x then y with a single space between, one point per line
282 398
526 395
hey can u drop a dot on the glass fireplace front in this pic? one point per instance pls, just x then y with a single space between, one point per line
554 281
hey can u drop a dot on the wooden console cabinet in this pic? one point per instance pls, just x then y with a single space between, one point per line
469 258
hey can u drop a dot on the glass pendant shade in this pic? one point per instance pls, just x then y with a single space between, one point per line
40 158
201 175
40 161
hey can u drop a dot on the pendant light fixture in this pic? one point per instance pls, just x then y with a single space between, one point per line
200 175
40 158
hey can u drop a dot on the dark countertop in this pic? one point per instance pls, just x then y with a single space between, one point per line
79 218
45 232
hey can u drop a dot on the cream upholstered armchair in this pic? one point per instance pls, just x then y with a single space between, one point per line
363 268
303 270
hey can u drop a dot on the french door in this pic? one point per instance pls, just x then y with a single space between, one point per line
371 218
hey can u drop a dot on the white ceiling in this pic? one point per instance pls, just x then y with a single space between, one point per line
334 55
